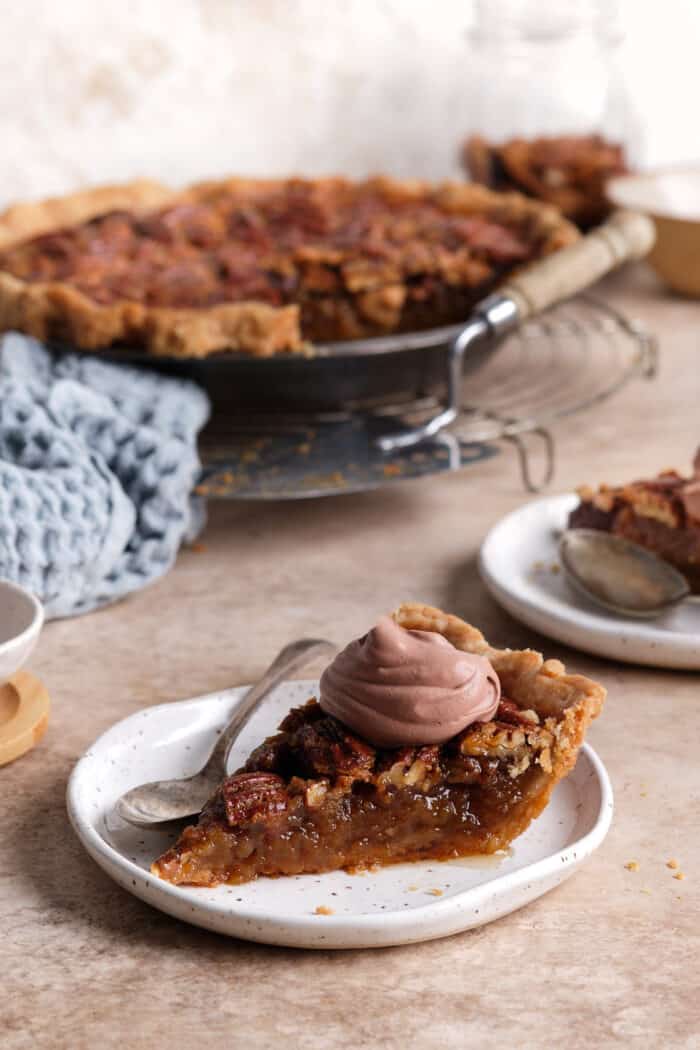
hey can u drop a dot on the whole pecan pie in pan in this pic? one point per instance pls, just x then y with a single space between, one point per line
261 266
316 797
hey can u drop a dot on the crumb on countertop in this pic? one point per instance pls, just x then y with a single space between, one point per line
555 567
198 548
322 909
632 865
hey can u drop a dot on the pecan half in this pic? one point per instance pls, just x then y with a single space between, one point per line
418 768
325 748
253 796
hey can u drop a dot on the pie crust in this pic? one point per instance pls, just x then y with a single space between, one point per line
315 797
260 266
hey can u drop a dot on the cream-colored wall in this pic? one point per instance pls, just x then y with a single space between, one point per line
95 90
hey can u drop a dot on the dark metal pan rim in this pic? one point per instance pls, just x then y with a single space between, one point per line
399 342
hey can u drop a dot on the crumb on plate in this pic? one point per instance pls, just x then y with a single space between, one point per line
323 909
632 865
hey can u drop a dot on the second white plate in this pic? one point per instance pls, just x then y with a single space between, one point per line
394 905
519 563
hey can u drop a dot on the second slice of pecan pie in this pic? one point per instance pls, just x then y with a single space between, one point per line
314 796
569 171
661 514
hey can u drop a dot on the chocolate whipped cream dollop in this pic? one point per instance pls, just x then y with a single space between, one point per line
399 688
690 492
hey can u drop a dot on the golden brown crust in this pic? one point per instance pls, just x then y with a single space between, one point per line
43 309
565 704
23 220
61 312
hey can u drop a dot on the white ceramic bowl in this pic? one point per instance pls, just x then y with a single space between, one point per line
672 199
21 620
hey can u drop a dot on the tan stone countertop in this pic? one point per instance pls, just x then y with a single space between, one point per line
610 958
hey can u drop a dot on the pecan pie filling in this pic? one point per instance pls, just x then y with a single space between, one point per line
318 796
354 259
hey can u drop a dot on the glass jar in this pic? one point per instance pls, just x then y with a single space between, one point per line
547 68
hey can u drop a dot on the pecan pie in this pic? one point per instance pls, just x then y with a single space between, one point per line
661 514
316 797
260 266
569 171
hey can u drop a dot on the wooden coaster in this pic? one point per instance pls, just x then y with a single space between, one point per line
24 715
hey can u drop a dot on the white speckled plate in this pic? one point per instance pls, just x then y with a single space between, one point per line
516 563
395 905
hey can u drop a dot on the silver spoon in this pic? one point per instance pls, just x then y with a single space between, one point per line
164 800
620 575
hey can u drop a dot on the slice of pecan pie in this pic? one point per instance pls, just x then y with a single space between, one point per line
316 797
661 514
260 266
569 171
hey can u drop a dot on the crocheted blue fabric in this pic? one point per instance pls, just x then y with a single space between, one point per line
97 468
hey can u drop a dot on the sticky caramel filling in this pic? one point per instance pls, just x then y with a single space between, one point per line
315 798
358 831
290 243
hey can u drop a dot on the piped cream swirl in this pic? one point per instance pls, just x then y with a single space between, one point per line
399 688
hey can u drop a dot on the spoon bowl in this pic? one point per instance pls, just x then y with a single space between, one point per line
619 575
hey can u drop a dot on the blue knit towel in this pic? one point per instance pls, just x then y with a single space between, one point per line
97 468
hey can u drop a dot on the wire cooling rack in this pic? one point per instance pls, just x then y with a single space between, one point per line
577 355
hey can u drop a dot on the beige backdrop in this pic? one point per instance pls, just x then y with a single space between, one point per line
93 91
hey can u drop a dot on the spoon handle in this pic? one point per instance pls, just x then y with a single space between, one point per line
290 659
